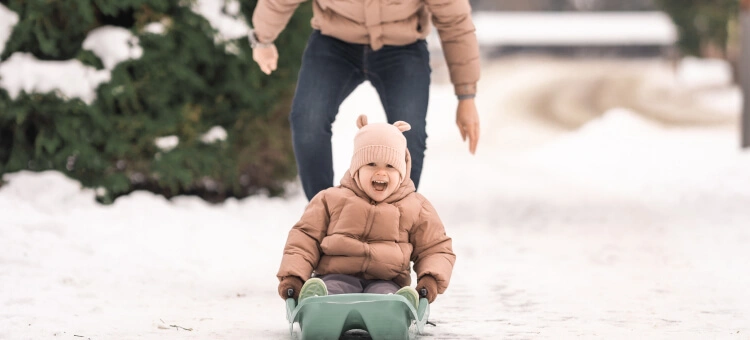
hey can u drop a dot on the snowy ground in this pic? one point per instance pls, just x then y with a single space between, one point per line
617 225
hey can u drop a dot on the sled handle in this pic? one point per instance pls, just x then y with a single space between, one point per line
290 292
423 293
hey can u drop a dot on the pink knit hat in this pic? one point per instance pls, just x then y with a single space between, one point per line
380 142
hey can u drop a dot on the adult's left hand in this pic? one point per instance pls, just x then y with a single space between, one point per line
467 120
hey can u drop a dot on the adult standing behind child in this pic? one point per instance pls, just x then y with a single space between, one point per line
379 41
361 236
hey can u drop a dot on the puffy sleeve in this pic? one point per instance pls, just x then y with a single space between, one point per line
271 17
452 19
433 251
302 249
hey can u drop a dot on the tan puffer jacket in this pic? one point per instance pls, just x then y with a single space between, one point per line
387 22
342 231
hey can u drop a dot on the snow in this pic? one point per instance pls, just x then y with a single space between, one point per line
225 17
70 78
113 45
8 19
155 28
215 134
574 28
167 143
696 72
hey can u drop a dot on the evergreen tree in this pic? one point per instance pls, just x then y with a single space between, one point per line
702 24
184 84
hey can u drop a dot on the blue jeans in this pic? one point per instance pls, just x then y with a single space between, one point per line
331 70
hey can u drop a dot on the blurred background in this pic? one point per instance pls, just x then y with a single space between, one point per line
164 95
675 62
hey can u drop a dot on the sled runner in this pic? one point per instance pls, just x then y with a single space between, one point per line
382 316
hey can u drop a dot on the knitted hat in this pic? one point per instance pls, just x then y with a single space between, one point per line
380 142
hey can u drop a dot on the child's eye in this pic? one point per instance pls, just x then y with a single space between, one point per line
390 166
371 164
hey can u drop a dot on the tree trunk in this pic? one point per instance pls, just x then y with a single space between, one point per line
744 65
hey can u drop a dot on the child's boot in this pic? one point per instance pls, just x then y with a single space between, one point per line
410 294
313 287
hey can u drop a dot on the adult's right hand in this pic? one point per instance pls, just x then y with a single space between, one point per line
467 120
267 58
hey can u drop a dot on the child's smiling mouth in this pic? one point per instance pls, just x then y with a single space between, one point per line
379 185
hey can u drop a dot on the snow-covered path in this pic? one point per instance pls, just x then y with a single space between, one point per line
623 228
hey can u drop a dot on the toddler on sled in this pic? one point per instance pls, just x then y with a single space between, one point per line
363 235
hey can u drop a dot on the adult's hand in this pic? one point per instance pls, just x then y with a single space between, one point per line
267 57
467 120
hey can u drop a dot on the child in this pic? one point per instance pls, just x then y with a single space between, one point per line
361 236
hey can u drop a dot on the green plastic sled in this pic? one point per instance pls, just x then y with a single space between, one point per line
383 316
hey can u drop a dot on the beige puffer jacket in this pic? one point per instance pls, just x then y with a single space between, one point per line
387 22
342 231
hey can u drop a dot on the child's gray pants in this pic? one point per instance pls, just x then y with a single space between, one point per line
345 284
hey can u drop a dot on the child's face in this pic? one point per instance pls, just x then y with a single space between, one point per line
379 180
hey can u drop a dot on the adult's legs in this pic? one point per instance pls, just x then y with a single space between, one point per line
381 287
331 70
401 75
342 284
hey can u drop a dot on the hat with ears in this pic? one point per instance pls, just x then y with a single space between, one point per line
380 142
